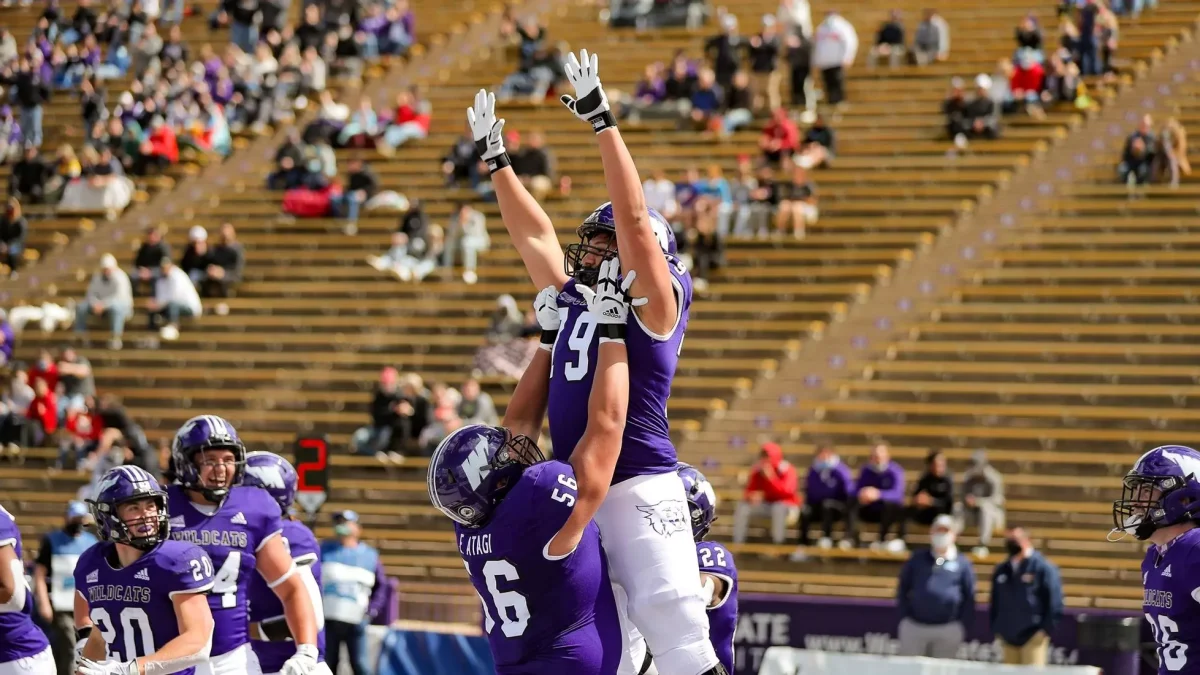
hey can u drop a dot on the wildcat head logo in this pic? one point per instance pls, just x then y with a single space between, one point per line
667 518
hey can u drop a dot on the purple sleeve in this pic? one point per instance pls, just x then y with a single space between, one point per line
378 593
269 518
189 569
896 492
847 480
410 25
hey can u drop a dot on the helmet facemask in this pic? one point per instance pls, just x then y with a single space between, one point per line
576 254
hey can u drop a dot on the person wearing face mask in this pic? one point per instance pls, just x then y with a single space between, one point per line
1027 601
880 497
771 489
352 590
982 500
936 596
933 495
828 498
54 582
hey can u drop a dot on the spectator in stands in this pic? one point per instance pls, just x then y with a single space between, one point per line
771 489
75 375
43 413
797 204
289 163
147 261
353 590
159 150
363 127
680 83
795 17
7 340
687 194
196 257
817 148
1027 82
377 438
983 499
227 262
121 431
29 175
66 169
10 135
780 137
1061 83
476 406
736 108
660 194
936 596
880 497
1088 43
834 48
361 185
80 435
1171 153
765 74
1029 37
704 242
535 75
45 369
799 60
421 262
706 101
460 163
1138 156
932 40
109 295
410 121
30 93
978 119
13 229
1027 601
413 409
755 207
828 497
437 430
724 50
15 432
468 232
508 347
648 94
174 298
889 41
933 495
54 582
534 164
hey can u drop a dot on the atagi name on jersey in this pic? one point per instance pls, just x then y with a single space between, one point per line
227 538
476 544
119 593
1156 598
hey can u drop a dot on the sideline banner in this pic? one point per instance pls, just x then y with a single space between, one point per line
788 661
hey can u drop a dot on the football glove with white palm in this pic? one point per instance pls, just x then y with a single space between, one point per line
546 308
610 302
304 662
488 131
87 666
589 103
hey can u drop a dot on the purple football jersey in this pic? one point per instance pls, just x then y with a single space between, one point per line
542 616
646 446
264 604
716 560
232 537
22 638
132 607
1171 602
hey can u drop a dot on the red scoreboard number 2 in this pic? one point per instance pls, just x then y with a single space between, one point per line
312 469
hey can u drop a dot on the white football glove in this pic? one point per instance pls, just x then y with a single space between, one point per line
89 667
589 103
610 302
488 131
546 308
304 662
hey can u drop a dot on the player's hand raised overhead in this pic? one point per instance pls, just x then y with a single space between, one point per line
611 300
546 308
488 131
589 103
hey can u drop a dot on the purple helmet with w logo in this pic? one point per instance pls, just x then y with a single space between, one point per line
601 221
702 501
472 469
199 434
125 484
1162 489
274 474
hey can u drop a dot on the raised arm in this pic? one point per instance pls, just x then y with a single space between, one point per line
528 225
639 245
527 408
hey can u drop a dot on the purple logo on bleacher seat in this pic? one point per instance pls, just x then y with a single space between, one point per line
926 287
118 235
1063 173
1008 220
883 323
968 253
1116 130
1081 158
4 296
812 381
762 422
1179 78
946 269
904 305
787 400
62 265
737 442
90 250
1148 103
837 361
989 236
1046 189
1164 89
144 221
858 342
1027 203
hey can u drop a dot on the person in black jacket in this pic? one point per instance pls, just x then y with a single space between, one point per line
385 420
147 260
889 41
12 235
196 257
227 260
29 93
361 185
724 49
933 494
29 175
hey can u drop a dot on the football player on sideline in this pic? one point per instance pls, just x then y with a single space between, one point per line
269 634
239 527
24 649
140 597
718 573
1160 502
643 519
524 524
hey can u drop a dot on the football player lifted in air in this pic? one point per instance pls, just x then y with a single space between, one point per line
524 524
644 517
140 598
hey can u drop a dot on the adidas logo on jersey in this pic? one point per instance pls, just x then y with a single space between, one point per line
1167 571
93 577
142 574
238 519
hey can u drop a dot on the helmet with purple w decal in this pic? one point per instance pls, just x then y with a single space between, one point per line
201 435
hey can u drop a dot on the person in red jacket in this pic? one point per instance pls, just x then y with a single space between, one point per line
411 121
1026 82
780 137
43 411
83 427
771 489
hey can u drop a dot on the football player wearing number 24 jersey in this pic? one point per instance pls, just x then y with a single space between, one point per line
140 597
643 519
240 528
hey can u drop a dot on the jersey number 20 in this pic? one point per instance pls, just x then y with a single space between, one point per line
510 606
134 623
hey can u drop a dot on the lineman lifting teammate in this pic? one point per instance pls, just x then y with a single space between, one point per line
643 520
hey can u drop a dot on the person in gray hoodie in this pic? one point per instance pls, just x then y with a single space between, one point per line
982 499
109 295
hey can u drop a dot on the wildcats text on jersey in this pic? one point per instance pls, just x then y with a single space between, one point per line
119 593
1153 597
232 539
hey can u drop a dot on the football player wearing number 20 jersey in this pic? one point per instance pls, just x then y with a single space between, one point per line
240 528
140 597
23 649
1161 503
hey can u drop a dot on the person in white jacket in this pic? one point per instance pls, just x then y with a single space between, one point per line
834 48
110 296
175 296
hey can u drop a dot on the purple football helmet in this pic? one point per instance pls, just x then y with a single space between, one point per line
274 474
206 432
601 220
702 501
472 469
1162 488
125 484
